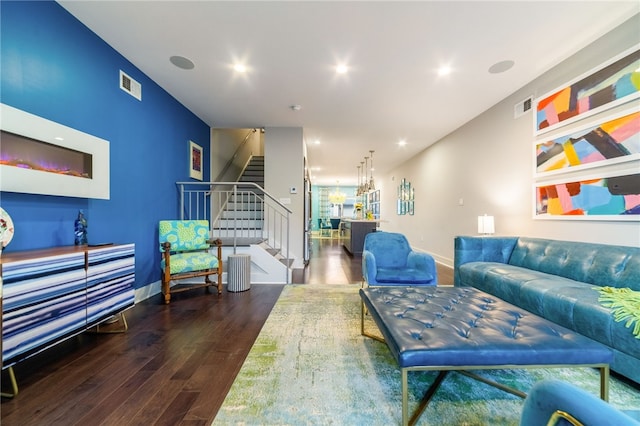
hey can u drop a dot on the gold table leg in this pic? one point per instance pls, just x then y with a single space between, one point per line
604 382
123 329
14 385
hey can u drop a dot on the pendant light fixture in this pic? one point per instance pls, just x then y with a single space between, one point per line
337 197
360 183
372 185
366 181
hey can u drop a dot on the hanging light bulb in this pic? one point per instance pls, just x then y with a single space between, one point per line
360 183
358 190
372 185
366 181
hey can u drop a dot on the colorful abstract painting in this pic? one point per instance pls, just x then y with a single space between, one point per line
617 196
195 160
614 82
613 141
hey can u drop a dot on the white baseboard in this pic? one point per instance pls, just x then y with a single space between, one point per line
150 290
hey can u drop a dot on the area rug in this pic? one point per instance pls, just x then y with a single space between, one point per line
310 366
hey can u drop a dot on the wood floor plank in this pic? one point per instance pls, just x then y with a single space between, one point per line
177 409
174 366
146 402
150 411
102 386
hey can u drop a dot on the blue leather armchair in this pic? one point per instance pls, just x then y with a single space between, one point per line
387 259
553 402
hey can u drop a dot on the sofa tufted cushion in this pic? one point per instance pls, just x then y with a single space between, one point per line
569 303
599 264
463 326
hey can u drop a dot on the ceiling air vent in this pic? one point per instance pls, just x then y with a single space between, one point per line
130 86
522 107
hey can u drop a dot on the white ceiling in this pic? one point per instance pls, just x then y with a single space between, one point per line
392 49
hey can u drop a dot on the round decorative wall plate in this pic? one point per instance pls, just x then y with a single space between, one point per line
6 228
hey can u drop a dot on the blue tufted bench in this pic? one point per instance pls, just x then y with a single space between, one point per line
461 328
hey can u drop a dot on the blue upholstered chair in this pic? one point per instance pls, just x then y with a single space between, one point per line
324 227
387 259
185 254
335 227
553 402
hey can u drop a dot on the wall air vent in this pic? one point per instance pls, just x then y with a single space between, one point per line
130 86
522 107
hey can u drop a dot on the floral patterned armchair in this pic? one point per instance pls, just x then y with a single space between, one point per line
185 245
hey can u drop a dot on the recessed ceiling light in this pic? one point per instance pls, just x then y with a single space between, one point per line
316 142
240 68
402 143
342 69
444 70
59 138
182 62
501 66
296 107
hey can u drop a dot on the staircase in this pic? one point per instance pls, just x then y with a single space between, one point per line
242 215
246 218
254 171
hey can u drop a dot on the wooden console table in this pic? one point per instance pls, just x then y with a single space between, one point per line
53 294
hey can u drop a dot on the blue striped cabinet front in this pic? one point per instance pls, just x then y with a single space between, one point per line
110 278
51 295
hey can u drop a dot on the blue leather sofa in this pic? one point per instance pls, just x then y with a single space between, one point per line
557 280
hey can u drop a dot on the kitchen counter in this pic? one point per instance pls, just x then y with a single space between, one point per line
355 231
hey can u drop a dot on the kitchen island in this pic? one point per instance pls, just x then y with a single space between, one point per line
354 233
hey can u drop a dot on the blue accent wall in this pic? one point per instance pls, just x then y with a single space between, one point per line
55 67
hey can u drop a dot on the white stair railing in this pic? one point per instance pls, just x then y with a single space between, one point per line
239 214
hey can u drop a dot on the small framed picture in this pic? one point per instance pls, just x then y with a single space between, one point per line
195 160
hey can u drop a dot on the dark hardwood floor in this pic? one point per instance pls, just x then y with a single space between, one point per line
175 364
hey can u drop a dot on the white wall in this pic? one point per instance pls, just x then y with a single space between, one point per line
488 164
224 143
284 169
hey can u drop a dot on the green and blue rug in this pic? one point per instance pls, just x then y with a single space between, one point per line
311 366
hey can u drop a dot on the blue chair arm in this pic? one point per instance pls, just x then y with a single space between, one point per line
369 267
548 396
423 262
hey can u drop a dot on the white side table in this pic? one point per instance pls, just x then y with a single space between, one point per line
239 272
